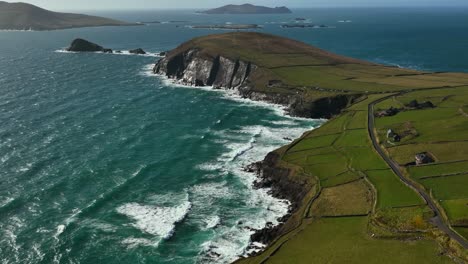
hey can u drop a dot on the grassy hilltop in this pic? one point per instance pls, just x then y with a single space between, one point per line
289 68
307 68
364 202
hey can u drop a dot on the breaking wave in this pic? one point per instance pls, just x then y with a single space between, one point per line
158 221
122 52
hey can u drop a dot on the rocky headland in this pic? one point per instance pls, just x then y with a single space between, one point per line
233 62
23 16
198 63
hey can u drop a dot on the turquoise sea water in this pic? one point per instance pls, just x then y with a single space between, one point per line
102 162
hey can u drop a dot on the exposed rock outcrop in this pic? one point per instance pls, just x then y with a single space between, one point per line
137 51
81 45
192 69
278 178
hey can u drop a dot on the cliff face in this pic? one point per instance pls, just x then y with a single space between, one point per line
190 67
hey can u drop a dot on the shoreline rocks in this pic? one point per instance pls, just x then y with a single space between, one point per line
277 178
138 51
82 45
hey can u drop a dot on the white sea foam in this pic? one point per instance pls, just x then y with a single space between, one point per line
59 231
6 201
212 221
122 52
229 94
155 220
17 30
243 146
78 211
133 242
211 190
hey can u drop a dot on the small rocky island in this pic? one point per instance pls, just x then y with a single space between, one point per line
228 26
82 45
23 16
304 26
247 9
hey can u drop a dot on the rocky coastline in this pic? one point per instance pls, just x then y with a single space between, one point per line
195 69
275 177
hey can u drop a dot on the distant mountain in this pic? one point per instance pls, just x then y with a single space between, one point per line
247 9
22 16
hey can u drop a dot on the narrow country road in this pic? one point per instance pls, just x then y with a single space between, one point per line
437 219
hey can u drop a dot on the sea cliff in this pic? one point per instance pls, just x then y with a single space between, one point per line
192 67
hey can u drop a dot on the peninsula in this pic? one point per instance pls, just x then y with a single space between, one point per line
23 16
247 9
383 180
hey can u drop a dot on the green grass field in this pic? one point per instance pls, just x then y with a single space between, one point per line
391 192
443 132
340 156
354 198
457 211
431 170
463 231
344 240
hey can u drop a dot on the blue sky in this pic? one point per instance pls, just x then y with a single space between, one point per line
143 4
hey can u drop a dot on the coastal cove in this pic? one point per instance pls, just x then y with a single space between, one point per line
178 159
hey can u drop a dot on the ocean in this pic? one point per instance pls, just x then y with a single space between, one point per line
103 162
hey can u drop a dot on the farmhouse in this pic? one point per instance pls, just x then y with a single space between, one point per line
423 158
389 112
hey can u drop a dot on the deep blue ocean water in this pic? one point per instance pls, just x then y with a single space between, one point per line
102 162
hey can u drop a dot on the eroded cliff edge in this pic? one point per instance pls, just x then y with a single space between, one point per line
198 66
191 68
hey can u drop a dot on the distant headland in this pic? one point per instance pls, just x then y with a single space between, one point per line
23 16
247 9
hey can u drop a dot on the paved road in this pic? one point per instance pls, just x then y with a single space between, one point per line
437 219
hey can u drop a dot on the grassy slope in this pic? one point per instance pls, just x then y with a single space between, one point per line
24 16
340 158
351 244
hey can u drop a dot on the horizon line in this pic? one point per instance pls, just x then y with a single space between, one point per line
290 7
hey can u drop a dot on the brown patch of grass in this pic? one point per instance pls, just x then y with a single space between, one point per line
353 198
